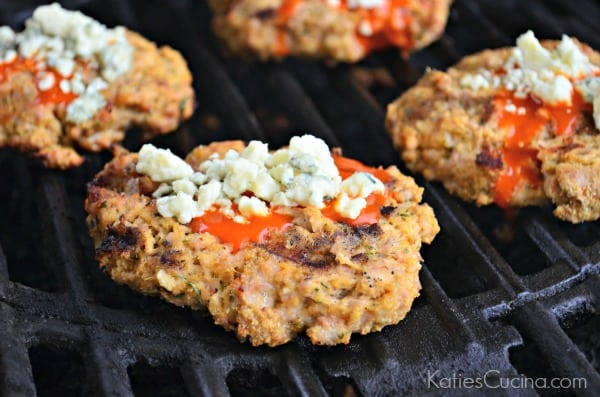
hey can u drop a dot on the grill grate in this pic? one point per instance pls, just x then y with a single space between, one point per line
527 305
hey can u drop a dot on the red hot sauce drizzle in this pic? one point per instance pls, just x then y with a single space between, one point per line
522 126
53 95
388 24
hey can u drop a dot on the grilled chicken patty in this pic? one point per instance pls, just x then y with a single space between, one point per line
320 276
327 29
155 94
455 134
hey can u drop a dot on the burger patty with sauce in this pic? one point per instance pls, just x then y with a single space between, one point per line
267 270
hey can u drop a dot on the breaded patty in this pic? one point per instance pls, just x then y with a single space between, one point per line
318 275
49 112
343 30
482 132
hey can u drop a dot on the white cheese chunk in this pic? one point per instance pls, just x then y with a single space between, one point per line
209 194
46 81
8 56
365 28
185 186
475 82
7 36
368 4
83 108
533 55
554 91
362 184
181 206
252 206
596 105
348 207
161 165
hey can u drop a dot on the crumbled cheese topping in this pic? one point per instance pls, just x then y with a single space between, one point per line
162 165
365 28
368 4
255 180
58 38
549 75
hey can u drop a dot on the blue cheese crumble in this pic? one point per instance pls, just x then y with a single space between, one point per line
549 75
303 174
58 38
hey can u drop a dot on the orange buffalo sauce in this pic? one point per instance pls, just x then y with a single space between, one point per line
522 127
52 95
286 11
237 234
388 24
347 167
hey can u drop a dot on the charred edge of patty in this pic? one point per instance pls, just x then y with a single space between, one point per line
315 252
387 210
488 111
119 239
489 158
267 13
306 250
373 230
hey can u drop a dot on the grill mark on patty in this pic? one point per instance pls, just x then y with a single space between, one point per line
372 230
360 258
488 110
267 13
302 249
118 239
169 258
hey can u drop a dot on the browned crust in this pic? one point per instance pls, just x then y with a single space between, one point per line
250 28
318 276
156 94
450 134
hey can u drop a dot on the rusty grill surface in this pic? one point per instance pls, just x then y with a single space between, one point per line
516 298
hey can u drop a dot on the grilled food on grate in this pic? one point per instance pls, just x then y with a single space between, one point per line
67 81
341 30
515 126
234 239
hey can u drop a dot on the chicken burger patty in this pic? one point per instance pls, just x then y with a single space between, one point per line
68 81
343 30
271 243
513 126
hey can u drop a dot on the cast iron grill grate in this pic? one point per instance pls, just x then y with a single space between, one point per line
521 305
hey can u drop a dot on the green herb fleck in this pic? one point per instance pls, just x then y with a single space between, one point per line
194 288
